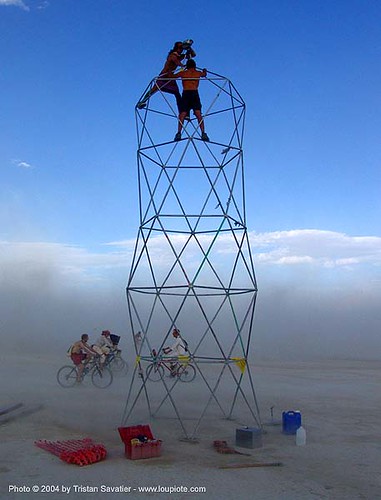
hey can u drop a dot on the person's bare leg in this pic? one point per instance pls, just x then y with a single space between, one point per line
103 360
141 104
181 121
204 135
180 125
80 368
200 120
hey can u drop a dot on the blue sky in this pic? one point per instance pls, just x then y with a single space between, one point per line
309 72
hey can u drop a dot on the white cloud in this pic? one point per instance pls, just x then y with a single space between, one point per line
24 164
15 3
313 246
295 259
20 163
299 246
277 250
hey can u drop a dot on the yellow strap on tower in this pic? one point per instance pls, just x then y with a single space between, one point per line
241 363
184 360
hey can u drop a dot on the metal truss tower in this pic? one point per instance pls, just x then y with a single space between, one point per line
192 266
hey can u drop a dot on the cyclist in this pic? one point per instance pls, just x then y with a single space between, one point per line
80 354
179 348
103 346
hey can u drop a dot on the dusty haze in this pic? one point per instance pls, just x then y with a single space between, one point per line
41 309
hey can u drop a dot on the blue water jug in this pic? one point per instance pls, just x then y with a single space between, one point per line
291 421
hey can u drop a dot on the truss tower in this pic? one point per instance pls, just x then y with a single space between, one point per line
192 266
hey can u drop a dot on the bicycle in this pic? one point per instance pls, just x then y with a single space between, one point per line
184 371
116 363
101 377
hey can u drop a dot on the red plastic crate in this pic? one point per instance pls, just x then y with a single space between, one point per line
142 450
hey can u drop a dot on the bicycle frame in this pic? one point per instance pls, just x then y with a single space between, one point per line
101 377
156 369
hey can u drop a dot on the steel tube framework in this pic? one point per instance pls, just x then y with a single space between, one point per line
192 266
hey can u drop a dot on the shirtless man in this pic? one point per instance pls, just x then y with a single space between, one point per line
80 353
190 98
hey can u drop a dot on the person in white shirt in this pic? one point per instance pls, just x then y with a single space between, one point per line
103 345
178 348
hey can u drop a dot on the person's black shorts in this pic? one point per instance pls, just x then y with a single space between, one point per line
190 100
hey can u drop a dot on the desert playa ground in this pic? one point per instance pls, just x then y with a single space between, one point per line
339 401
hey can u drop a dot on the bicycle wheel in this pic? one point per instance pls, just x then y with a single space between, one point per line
101 378
187 373
154 372
118 365
67 376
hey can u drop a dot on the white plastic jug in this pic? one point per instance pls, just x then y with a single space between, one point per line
301 436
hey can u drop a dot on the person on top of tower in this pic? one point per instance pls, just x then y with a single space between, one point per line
165 81
190 98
